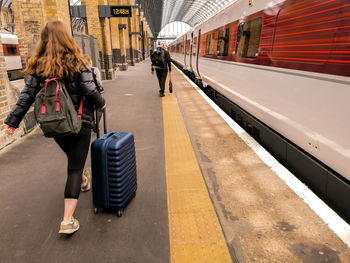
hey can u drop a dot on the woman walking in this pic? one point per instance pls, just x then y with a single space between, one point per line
58 56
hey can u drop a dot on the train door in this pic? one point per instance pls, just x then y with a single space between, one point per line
188 54
198 47
191 51
194 53
185 50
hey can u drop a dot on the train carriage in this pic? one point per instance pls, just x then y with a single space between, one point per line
286 64
12 55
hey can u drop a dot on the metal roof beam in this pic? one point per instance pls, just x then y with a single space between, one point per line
161 12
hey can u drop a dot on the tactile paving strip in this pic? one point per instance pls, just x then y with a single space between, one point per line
194 230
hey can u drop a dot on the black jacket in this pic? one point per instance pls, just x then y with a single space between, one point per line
80 85
167 60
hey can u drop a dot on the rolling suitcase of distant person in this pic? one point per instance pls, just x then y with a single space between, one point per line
113 167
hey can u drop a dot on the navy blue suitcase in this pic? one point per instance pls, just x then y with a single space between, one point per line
113 166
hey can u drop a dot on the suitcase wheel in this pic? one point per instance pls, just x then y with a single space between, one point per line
120 213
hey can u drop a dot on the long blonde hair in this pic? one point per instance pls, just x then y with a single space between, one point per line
57 53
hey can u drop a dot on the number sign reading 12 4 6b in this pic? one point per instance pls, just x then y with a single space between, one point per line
120 11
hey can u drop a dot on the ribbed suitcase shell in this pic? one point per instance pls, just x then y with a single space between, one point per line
113 163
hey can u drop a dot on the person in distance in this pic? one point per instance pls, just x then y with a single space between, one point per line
161 63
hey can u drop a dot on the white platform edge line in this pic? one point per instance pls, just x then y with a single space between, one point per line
332 219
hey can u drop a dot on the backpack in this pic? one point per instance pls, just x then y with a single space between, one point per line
54 110
158 58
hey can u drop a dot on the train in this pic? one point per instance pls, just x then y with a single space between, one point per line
281 69
12 55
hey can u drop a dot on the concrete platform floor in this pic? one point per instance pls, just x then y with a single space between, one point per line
261 218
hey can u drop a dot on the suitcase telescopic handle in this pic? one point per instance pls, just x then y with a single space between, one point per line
98 118
104 121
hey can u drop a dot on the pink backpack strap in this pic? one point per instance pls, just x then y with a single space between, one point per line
80 110
58 105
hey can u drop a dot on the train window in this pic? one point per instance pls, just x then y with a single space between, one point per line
248 38
194 49
11 50
181 48
188 47
239 34
210 44
223 42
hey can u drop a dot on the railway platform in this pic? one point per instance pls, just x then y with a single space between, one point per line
204 192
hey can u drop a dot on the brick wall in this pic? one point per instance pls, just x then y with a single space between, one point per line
30 16
4 105
100 28
8 97
28 20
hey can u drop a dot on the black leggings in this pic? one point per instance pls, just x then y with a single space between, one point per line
161 74
76 147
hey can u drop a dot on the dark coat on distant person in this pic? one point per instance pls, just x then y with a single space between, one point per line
167 59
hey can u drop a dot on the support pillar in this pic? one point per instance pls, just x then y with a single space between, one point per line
100 28
108 59
137 38
148 35
119 37
131 44
123 34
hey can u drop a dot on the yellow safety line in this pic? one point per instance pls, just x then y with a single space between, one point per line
194 230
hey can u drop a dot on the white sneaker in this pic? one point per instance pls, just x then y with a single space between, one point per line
87 186
69 227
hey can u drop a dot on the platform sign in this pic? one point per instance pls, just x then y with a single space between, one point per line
120 11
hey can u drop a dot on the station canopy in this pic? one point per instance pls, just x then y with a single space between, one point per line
159 13
6 3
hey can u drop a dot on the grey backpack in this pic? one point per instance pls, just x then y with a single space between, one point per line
54 110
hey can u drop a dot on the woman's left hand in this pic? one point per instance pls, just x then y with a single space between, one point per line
9 130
